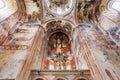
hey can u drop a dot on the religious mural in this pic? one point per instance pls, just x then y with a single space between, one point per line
59 25
6 26
84 10
34 10
18 40
103 47
10 22
3 34
115 34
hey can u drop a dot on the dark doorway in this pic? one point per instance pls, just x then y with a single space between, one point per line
80 79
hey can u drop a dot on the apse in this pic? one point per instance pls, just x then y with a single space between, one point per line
59 54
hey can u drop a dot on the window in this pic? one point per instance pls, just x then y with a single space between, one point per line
39 79
116 5
2 4
60 79
80 79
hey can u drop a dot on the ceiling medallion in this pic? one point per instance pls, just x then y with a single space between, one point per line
59 7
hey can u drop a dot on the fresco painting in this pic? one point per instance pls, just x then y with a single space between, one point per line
54 25
18 40
84 10
115 34
99 47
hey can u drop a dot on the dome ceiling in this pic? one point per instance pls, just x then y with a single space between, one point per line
59 7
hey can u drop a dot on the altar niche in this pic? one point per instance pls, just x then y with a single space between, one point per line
59 55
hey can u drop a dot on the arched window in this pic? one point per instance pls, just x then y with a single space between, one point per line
68 65
116 5
51 65
81 79
60 79
39 79
2 4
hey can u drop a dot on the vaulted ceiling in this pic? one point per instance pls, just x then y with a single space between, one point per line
44 12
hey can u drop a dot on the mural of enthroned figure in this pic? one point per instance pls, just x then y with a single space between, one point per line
58 46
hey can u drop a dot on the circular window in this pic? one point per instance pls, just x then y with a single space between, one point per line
2 4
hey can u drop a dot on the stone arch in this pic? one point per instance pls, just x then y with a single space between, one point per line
56 19
60 78
40 78
61 22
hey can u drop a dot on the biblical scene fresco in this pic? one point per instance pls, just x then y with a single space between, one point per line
84 10
6 26
10 22
104 49
59 26
59 7
21 38
115 34
3 34
85 27
11 60
33 10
